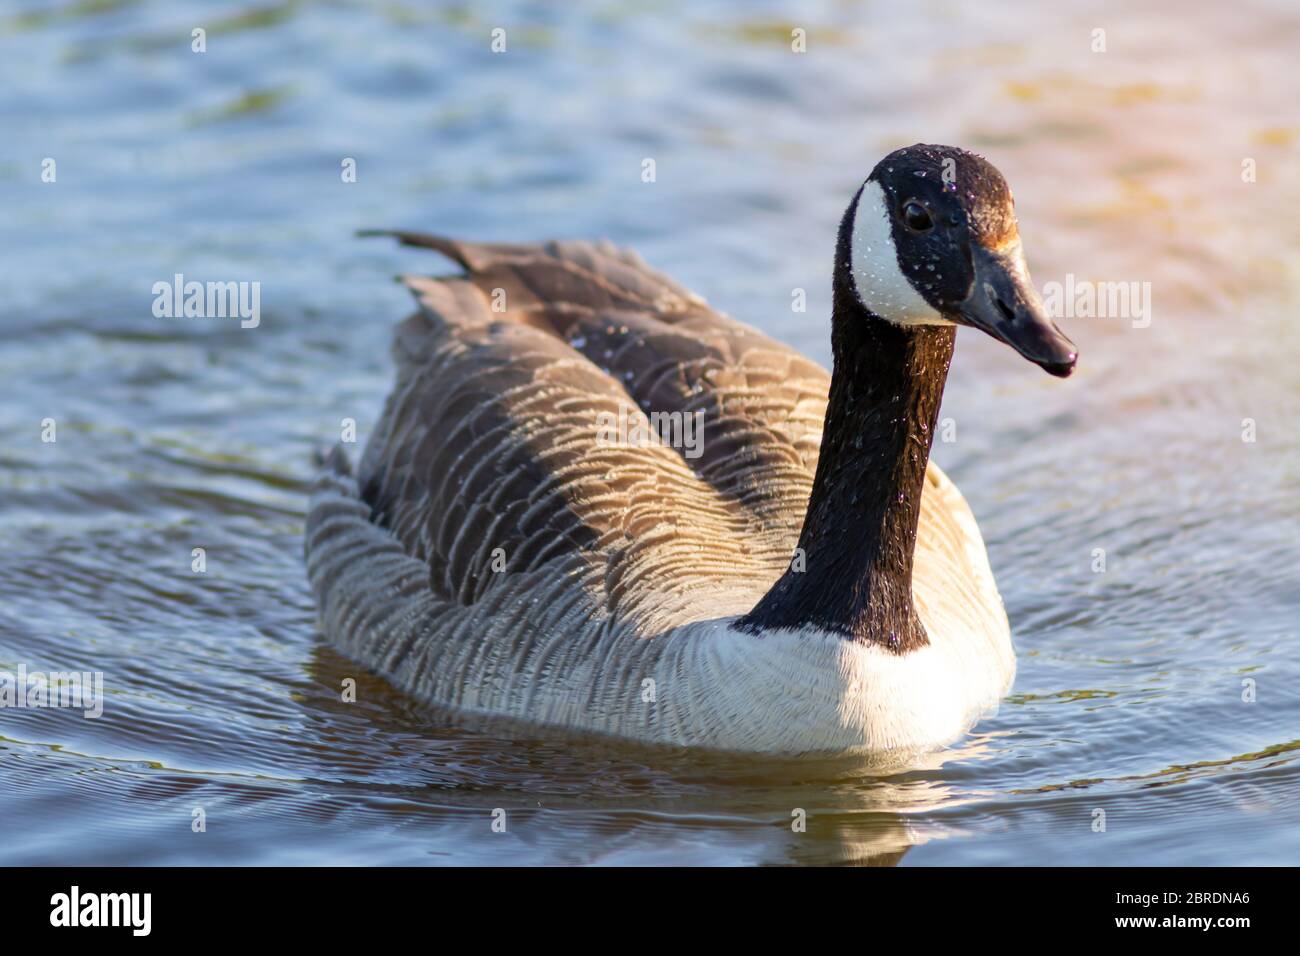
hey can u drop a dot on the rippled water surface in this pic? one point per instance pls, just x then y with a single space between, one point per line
174 434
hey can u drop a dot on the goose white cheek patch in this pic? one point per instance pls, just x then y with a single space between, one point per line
881 285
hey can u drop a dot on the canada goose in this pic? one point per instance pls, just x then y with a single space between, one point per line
804 584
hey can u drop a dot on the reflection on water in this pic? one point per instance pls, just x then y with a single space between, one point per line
1128 165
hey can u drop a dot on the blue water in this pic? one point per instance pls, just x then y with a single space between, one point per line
175 433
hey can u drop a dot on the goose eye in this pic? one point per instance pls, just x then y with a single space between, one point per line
916 216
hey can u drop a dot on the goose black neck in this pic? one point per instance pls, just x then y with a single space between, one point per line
859 534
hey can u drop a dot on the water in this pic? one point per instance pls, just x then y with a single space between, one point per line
175 434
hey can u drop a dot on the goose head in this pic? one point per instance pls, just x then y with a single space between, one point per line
931 239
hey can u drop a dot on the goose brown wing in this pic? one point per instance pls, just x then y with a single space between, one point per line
759 402
487 460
